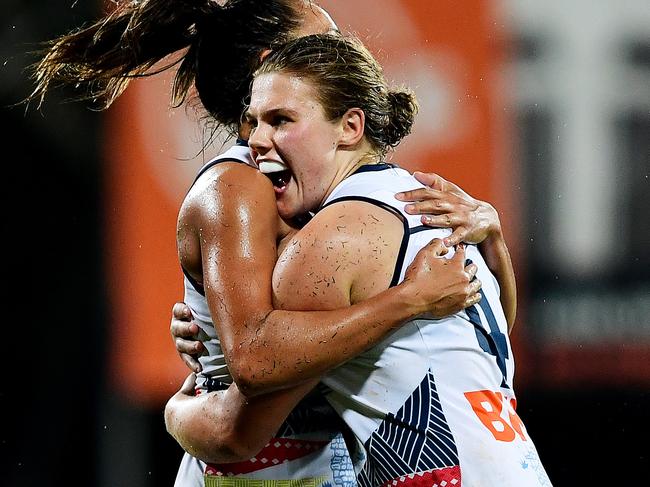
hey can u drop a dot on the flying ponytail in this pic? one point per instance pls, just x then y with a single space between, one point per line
101 59
222 43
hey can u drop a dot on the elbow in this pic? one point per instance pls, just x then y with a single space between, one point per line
214 444
205 436
252 376
250 384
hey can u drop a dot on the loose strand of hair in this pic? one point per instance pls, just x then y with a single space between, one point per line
125 44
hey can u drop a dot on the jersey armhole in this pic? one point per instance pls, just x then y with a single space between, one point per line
405 234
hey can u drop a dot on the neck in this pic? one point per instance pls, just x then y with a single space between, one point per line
349 162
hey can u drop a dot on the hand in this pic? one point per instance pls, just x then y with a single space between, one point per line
188 387
184 332
445 205
442 286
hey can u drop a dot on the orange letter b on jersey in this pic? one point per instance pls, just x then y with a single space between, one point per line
487 405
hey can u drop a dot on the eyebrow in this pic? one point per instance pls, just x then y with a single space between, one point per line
270 113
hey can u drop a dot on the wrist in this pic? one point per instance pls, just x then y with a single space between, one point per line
408 296
495 232
495 224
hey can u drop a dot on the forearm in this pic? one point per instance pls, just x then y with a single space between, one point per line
225 426
496 255
291 347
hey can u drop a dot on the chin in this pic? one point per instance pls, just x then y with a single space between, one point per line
287 212
291 205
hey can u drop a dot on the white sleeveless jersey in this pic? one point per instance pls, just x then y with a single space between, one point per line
433 404
309 450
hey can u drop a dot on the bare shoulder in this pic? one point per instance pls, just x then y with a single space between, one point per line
224 201
222 186
345 254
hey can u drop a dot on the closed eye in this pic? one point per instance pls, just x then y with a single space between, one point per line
280 120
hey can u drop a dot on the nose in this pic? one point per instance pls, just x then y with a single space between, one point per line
260 140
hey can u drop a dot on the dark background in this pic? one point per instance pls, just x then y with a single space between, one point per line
60 425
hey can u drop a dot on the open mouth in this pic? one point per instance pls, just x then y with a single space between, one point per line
278 173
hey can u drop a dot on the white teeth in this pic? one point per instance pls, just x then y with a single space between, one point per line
268 167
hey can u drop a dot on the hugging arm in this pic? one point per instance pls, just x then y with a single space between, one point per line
226 426
237 265
268 349
444 204
447 205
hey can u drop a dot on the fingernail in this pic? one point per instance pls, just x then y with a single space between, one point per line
447 242
409 208
399 196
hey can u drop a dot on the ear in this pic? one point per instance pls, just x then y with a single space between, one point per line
353 124
264 54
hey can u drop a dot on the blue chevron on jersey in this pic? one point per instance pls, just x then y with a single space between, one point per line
416 438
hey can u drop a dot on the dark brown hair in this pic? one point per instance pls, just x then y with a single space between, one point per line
346 75
222 46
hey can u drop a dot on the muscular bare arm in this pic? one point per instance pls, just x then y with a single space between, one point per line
227 235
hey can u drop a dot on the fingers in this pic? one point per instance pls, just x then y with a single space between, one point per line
188 385
474 292
419 194
190 361
433 202
181 323
459 256
471 270
189 350
181 311
447 220
431 180
184 332
472 300
190 347
436 246
456 237
183 329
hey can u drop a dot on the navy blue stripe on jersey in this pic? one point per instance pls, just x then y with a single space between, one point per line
375 167
242 142
213 163
405 237
212 384
415 439
493 342
418 229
